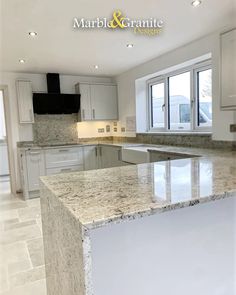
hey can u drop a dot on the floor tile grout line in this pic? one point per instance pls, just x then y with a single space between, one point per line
18 268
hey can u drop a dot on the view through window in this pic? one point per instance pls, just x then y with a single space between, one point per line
182 101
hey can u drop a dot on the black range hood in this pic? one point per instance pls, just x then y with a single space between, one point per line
54 102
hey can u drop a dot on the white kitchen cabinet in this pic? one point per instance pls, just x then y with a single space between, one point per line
38 162
85 113
104 102
35 168
53 171
97 102
228 70
25 101
91 157
63 157
110 156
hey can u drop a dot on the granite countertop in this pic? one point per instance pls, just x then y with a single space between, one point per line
36 145
116 194
139 146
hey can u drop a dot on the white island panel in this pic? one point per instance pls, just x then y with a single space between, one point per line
188 251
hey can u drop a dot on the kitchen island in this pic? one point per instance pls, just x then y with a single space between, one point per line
104 232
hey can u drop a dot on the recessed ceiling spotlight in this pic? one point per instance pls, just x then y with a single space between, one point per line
33 34
130 45
96 67
196 3
21 61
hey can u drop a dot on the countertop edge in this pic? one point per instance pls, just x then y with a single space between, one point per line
153 211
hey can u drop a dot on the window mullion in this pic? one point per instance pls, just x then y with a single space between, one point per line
167 119
193 99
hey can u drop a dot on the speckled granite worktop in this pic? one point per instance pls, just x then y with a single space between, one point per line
36 145
97 198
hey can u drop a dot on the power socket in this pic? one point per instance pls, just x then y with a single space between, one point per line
101 130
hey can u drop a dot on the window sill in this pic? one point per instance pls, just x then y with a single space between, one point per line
193 133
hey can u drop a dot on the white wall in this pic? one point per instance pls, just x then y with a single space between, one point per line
185 251
4 167
206 45
90 129
23 132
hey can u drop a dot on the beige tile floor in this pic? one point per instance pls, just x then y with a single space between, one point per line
21 245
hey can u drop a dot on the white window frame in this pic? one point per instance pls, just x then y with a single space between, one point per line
194 70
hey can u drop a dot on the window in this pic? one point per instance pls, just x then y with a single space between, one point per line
157 105
179 94
182 101
184 113
204 98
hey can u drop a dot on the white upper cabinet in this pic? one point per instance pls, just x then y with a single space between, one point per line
228 70
98 102
85 102
104 102
25 101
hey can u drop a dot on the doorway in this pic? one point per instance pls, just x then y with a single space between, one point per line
7 160
5 186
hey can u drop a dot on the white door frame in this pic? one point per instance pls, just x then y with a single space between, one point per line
10 146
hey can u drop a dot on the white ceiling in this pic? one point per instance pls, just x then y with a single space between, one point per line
59 48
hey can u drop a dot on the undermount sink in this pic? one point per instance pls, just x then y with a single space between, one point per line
135 155
146 154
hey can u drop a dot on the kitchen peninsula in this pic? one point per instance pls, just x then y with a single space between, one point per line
102 226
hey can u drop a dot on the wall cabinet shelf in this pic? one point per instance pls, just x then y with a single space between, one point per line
228 70
25 101
97 102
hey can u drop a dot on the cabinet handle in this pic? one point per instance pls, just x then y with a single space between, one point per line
83 114
93 113
96 151
100 151
63 151
66 169
119 155
34 153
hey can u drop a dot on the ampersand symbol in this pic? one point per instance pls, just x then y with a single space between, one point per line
117 20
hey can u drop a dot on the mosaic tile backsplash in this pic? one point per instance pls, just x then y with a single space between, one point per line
55 128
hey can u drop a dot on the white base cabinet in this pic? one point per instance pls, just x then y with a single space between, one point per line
35 168
91 157
110 157
32 166
48 161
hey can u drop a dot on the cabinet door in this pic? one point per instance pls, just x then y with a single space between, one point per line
228 69
110 156
35 168
63 157
90 157
104 102
85 102
53 171
25 101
